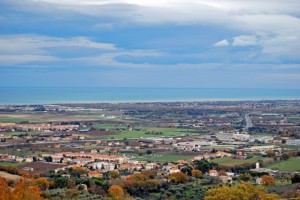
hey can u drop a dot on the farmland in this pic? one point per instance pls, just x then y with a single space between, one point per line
291 164
231 162
153 132
164 158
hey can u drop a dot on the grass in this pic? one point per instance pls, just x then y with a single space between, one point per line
294 147
19 133
164 132
231 162
10 164
164 158
18 120
293 117
110 126
292 164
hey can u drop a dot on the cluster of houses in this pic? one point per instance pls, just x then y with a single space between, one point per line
36 127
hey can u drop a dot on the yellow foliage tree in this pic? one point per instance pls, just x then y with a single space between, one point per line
114 174
116 192
42 183
268 180
26 190
243 191
196 173
179 177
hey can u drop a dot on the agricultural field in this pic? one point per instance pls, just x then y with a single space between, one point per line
164 158
231 162
11 164
23 152
292 164
153 132
39 117
110 126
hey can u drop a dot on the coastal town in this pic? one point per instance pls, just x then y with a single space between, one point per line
208 143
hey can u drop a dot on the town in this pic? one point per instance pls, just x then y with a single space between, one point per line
158 150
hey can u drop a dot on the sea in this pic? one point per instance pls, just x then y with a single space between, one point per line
53 95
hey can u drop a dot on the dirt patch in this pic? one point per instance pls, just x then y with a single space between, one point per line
10 177
39 167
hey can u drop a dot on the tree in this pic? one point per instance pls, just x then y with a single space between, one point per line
187 170
71 194
179 177
116 192
5 192
222 173
196 173
114 174
149 173
245 191
296 178
202 165
268 180
245 177
271 153
42 183
284 156
150 185
61 182
148 152
26 190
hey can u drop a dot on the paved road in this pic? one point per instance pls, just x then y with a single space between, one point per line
248 121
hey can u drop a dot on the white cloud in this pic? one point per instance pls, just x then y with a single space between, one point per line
245 40
37 44
22 49
20 59
222 43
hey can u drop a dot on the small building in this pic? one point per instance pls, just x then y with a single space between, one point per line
213 172
225 179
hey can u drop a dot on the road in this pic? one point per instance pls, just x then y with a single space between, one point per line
248 121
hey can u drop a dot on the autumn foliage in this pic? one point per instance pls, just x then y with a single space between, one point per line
245 191
196 173
268 180
42 183
179 177
116 192
24 190
5 192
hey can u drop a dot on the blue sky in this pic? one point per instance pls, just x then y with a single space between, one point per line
157 43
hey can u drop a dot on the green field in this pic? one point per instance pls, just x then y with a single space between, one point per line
11 164
18 120
164 158
293 117
110 126
23 152
231 162
20 133
292 164
164 132
294 147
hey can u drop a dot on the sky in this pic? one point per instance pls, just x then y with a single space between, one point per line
150 43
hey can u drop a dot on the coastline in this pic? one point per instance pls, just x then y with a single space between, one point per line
93 95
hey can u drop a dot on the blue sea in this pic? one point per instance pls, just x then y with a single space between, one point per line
51 95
